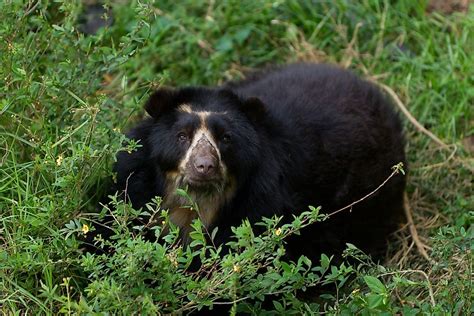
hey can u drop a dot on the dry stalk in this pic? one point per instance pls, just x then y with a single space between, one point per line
410 117
413 231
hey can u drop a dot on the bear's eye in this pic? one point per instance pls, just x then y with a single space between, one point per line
182 137
226 138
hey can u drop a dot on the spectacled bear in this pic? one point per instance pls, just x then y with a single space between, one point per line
272 144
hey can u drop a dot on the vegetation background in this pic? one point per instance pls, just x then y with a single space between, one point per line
66 97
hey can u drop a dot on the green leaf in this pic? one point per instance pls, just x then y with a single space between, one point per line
374 301
286 267
214 232
278 306
243 34
58 28
324 261
375 285
182 193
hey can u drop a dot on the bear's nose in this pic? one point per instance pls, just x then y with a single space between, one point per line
205 165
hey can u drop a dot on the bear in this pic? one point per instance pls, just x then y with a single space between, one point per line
272 144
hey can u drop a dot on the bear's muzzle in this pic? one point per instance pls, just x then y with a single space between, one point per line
203 165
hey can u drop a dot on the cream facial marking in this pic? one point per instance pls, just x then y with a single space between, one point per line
186 108
201 133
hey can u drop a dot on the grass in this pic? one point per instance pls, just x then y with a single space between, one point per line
65 98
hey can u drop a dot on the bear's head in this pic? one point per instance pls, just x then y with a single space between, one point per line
205 141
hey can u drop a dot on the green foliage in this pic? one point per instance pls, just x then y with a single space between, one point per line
148 277
66 98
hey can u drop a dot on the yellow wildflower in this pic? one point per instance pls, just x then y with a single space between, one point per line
59 160
85 229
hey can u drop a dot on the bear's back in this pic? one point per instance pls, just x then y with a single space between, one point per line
302 92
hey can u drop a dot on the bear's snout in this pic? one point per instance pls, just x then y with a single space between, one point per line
204 161
205 165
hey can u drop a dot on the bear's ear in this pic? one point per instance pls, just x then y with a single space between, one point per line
254 109
160 101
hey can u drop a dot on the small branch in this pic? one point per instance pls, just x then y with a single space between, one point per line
183 308
440 164
30 9
413 231
395 172
126 187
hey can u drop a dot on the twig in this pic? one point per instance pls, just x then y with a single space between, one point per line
125 191
31 9
349 51
395 172
440 164
410 117
413 231
183 308
407 209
